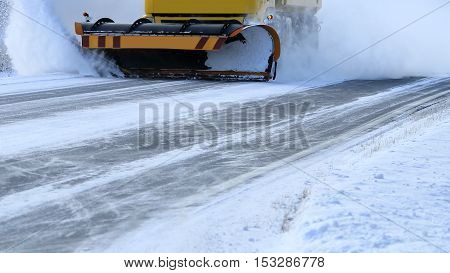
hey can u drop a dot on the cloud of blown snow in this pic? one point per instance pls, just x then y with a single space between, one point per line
37 43
349 26
39 40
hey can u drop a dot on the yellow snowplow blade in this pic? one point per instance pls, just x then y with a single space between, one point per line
153 42
183 48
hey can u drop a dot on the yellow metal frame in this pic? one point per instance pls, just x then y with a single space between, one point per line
205 7
161 19
184 42
177 42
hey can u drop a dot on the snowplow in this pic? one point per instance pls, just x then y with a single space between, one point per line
212 39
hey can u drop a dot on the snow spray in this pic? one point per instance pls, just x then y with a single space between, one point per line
37 43
374 39
358 39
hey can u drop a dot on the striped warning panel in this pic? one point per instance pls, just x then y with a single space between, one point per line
184 42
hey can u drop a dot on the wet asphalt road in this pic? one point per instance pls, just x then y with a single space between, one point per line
81 196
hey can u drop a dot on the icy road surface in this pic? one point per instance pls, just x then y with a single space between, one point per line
387 191
72 178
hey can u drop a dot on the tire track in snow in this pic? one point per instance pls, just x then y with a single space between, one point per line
109 94
26 85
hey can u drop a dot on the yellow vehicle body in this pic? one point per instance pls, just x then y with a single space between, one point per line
213 10
169 10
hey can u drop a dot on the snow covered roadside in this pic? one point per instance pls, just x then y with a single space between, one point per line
388 192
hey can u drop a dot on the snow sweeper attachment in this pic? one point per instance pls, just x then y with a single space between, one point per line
190 49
